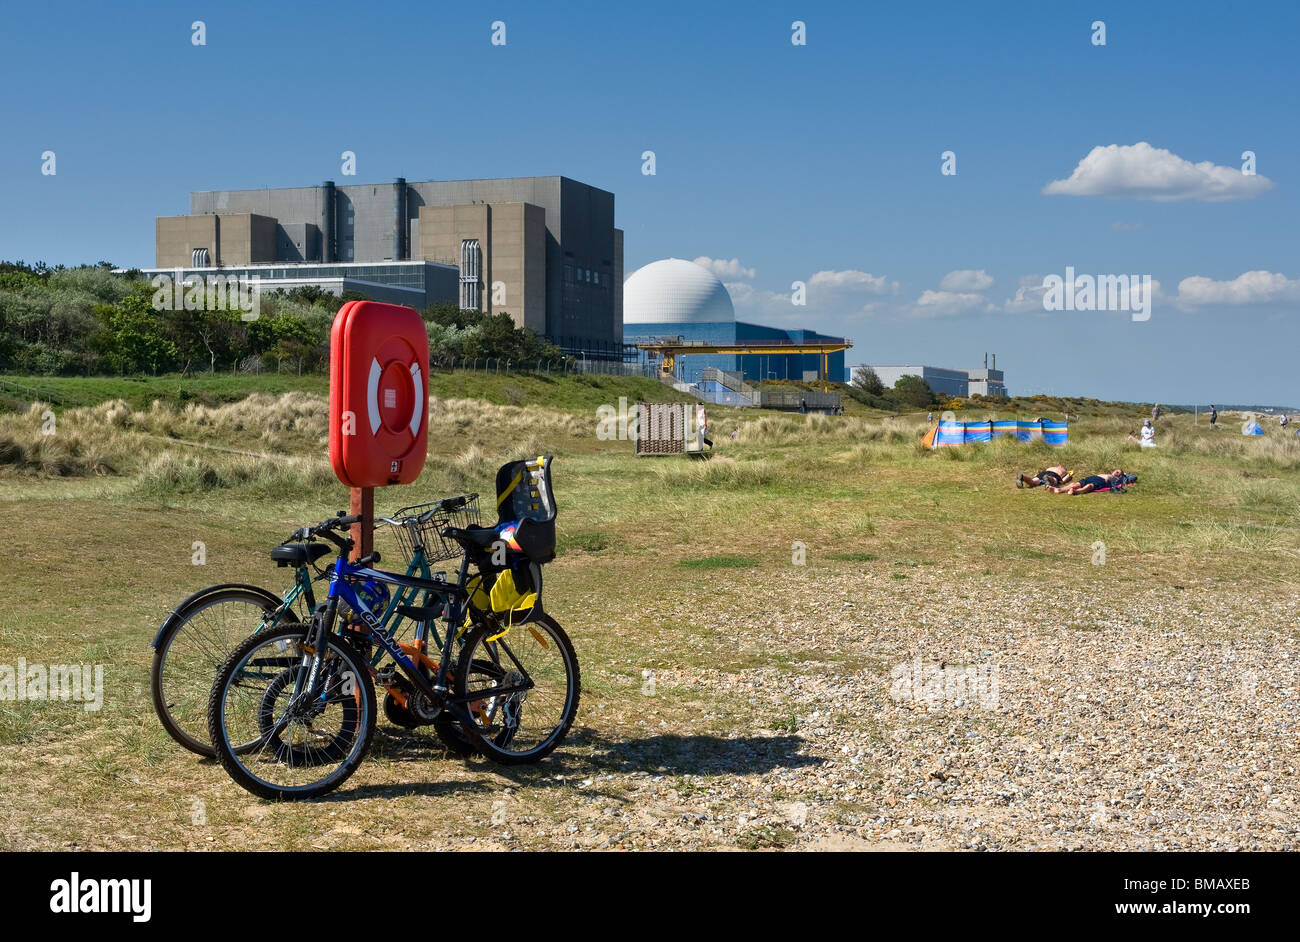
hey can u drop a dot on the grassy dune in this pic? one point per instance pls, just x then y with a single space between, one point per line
687 574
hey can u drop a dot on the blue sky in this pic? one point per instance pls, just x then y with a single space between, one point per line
789 160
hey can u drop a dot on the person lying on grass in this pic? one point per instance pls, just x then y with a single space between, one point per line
1094 482
1051 477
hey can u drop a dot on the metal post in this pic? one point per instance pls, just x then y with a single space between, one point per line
363 533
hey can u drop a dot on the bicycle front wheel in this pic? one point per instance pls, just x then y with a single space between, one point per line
192 649
279 740
521 687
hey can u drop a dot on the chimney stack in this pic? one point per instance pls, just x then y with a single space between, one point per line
995 361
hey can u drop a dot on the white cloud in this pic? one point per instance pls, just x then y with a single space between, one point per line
852 280
726 268
826 294
747 298
965 279
947 303
1140 171
1252 287
1028 296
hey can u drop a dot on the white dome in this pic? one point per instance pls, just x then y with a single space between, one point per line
675 291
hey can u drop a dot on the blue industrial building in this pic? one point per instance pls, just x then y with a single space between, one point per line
674 298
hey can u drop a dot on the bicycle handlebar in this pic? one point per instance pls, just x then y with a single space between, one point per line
341 521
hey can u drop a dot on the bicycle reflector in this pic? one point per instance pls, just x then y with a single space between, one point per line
379 393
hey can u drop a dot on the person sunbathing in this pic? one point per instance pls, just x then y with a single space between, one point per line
1048 477
1093 482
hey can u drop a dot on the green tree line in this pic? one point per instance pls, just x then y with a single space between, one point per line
909 392
87 321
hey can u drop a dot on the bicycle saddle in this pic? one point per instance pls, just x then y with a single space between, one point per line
476 537
298 554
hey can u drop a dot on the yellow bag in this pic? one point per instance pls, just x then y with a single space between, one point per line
507 597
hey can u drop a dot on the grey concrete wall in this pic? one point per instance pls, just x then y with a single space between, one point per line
230 238
587 240
442 228
618 284
176 237
297 242
534 250
441 283
366 226
295 204
246 239
539 191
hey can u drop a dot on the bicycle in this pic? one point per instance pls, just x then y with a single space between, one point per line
198 635
292 711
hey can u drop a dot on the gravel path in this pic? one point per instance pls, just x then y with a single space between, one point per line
1096 716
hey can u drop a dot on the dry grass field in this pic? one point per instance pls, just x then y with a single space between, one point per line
1114 671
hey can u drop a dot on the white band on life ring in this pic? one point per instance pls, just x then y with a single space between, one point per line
417 409
372 395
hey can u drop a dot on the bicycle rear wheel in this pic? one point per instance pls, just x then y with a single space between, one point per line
519 725
192 649
271 736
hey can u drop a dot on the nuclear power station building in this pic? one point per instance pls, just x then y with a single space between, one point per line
989 381
543 249
675 298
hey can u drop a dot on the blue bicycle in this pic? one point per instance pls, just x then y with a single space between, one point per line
198 634
292 712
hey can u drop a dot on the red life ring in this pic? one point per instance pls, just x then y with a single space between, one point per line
379 355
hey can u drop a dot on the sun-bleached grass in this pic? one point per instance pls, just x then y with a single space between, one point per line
717 472
644 580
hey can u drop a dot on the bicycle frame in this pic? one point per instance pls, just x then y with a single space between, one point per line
455 600
406 595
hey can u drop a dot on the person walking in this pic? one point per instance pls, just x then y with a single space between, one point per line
1214 416
1155 412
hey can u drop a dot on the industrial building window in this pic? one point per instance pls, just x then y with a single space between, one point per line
199 258
471 279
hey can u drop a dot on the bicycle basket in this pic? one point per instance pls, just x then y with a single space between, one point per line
449 512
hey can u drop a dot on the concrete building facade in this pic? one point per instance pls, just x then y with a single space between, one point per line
409 283
988 382
544 249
